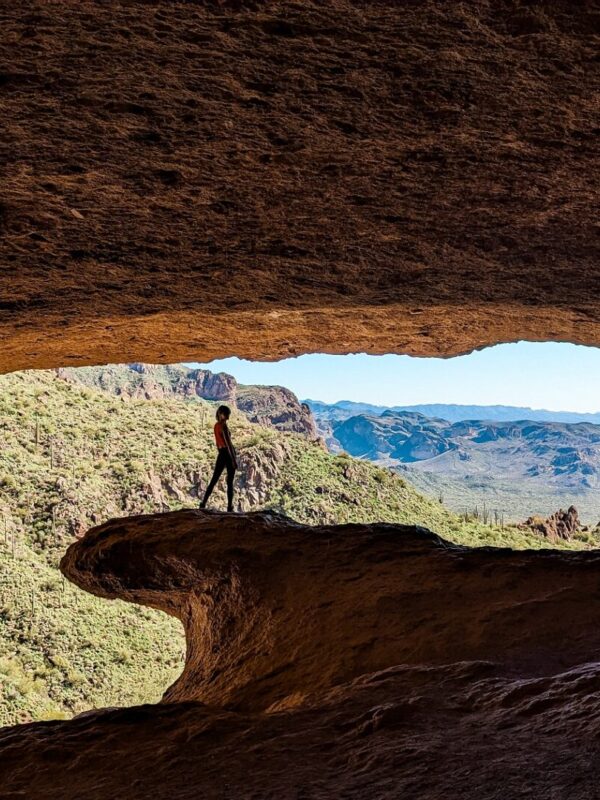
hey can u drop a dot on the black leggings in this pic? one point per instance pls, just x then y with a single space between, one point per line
224 461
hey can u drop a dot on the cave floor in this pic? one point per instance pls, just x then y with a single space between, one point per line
449 732
355 661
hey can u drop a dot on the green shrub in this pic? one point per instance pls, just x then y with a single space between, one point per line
59 661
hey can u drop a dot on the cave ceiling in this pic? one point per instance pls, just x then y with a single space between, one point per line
197 180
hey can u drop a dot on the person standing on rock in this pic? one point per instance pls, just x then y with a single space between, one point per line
226 458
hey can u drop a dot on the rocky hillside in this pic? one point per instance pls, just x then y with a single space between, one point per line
72 456
273 406
522 467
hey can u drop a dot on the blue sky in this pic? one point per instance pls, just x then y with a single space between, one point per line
555 376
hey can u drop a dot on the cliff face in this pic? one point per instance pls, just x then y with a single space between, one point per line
152 382
278 407
272 406
266 179
334 661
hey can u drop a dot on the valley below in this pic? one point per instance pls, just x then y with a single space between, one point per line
509 468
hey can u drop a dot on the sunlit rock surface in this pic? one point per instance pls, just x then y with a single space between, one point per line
192 180
333 661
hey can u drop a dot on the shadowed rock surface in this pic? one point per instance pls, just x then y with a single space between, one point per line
420 732
265 179
326 661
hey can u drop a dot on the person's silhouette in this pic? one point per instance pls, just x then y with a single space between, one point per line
226 458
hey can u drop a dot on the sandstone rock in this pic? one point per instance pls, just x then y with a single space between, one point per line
323 662
560 525
77 528
344 176
415 732
173 490
214 386
277 407
260 573
258 469
271 179
154 490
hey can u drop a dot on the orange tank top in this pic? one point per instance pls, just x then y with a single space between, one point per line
219 435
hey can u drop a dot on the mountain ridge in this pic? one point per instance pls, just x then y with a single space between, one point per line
454 412
522 467
274 406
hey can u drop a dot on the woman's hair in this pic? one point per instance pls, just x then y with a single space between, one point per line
225 410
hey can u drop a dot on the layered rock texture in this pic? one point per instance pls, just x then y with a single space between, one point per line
334 662
193 180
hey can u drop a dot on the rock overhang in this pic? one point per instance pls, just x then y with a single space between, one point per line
263 180
193 180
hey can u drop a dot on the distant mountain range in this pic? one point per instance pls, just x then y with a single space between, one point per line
451 412
524 464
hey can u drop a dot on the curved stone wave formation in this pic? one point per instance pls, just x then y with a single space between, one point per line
274 611
342 661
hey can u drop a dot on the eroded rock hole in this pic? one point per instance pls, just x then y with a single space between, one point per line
82 445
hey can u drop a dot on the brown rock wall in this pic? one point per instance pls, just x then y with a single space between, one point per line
275 610
198 180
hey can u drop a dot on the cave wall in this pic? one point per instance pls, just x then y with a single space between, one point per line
194 180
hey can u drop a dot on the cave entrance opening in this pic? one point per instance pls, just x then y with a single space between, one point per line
500 436
458 446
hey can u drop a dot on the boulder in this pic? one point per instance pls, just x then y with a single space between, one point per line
560 525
